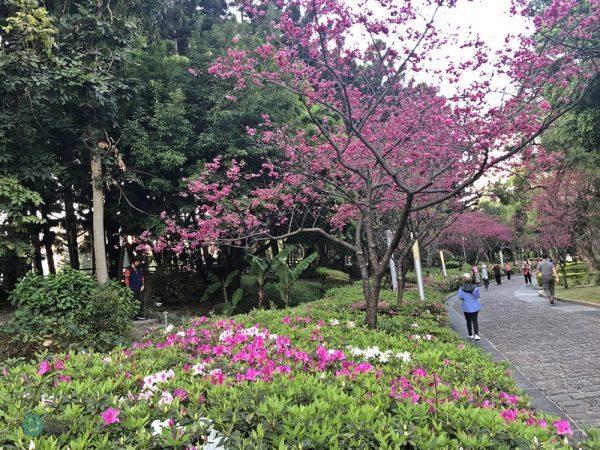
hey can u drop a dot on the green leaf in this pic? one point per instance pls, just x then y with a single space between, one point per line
303 265
212 288
237 296
230 277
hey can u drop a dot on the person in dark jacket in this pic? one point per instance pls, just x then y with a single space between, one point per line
468 293
134 280
497 273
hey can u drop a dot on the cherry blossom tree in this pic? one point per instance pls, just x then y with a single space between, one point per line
566 214
479 232
383 136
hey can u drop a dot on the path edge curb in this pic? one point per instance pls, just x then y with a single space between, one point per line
578 302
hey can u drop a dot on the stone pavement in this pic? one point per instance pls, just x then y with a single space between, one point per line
555 351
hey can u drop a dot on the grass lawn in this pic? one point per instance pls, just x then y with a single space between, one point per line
586 294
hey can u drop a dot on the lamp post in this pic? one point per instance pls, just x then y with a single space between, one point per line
464 252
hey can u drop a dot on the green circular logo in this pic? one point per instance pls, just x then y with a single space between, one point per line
33 425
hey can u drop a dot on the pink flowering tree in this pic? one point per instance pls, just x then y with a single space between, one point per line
567 216
478 232
383 137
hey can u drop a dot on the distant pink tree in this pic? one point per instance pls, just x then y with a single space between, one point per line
479 232
381 140
566 214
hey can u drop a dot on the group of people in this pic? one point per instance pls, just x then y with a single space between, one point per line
469 293
484 276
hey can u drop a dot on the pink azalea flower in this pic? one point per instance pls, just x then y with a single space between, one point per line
563 427
542 423
181 394
446 362
64 378
44 367
110 416
509 415
286 320
59 365
419 372
363 367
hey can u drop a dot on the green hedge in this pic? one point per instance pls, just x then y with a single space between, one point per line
332 277
310 377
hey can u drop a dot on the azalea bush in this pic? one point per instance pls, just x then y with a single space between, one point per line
307 377
70 309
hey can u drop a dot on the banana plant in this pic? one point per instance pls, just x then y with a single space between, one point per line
263 269
223 285
287 275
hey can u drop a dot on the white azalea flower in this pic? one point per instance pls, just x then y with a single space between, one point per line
350 324
414 325
181 333
428 337
107 360
166 398
403 356
198 369
168 329
158 426
334 322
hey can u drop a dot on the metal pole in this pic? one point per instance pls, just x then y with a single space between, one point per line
418 272
443 263
393 273
464 253
501 260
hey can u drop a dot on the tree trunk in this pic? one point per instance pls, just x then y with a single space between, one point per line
274 247
235 261
71 232
48 241
98 219
400 274
38 267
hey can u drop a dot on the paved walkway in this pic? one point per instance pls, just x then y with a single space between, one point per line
555 351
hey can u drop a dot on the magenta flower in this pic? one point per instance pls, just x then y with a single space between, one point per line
44 367
509 415
59 365
110 416
64 378
181 394
418 372
563 427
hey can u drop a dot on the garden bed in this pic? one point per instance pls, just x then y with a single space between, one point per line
306 377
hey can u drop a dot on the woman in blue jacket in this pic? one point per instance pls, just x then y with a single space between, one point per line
468 293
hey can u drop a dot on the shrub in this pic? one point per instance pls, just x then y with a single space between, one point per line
252 380
452 264
70 309
332 277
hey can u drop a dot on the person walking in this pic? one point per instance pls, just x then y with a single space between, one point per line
468 293
134 280
497 273
507 270
549 277
476 276
485 276
526 269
